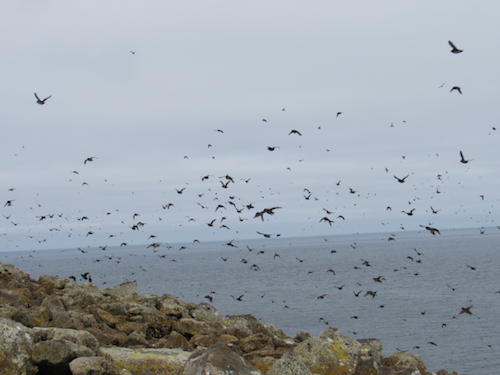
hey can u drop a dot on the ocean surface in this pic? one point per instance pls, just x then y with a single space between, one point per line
427 280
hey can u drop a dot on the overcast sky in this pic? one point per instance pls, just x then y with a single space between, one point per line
209 73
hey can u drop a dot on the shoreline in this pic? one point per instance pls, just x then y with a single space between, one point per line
116 330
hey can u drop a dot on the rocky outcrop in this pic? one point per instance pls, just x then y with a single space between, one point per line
57 327
218 360
16 348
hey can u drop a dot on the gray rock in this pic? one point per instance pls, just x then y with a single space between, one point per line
54 356
8 272
125 290
289 364
83 338
56 282
53 304
148 361
404 360
326 355
207 313
95 366
245 325
15 348
218 360
371 348
172 306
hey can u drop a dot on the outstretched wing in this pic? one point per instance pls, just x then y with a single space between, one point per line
451 44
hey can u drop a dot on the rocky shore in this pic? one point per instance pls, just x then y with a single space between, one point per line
57 327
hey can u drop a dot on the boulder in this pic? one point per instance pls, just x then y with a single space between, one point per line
289 364
83 338
262 364
404 360
191 327
207 313
172 306
8 273
125 290
95 366
15 348
176 340
54 356
245 325
371 348
218 360
148 361
330 353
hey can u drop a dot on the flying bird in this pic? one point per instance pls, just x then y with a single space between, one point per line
462 159
327 219
401 180
430 229
40 101
409 213
454 48
265 234
295 132
370 293
265 211
89 159
255 267
466 310
456 88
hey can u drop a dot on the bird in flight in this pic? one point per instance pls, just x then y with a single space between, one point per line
370 293
133 52
293 131
466 310
326 219
430 229
456 88
454 48
401 180
89 159
40 101
462 159
266 235
409 213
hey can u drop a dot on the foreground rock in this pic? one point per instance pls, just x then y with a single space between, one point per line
53 326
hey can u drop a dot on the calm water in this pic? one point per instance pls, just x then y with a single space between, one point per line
418 302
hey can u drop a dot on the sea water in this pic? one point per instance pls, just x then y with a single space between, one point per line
311 283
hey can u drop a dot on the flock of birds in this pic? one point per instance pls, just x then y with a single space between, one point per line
221 206
218 211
